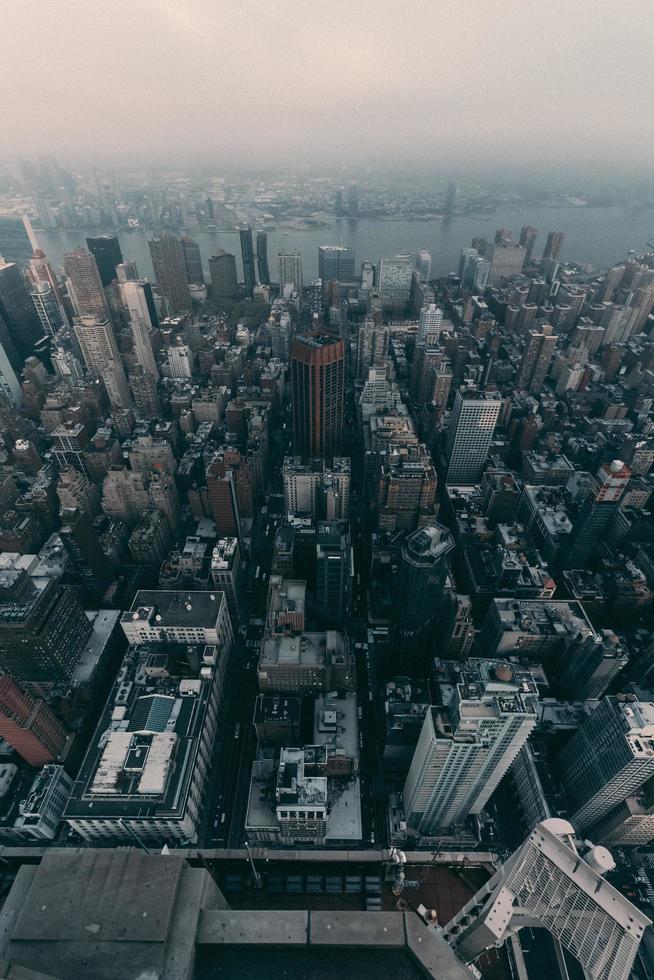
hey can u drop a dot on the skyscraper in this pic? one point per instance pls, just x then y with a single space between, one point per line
466 746
262 258
553 245
10 389
423 264
506 261
47 308
469 435
334 571
192 261
609 758
85 284
29 726
536 359
429 323
17 310
335 262
170 272
290 271
598 504
143 317
15 242
247 254
106 249
223 502
424 564
97 342
394 281
222 270
43 629
318 394
528 235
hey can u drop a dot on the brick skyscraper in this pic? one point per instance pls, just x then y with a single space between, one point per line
29 726
318 386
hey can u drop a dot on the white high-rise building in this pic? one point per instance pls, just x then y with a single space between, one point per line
423 265
180 361
97 342
469 436
429 323
10 389
466 746
557 883
395 277
136 298
608 759
290 271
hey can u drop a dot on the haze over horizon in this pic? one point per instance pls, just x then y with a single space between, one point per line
559 85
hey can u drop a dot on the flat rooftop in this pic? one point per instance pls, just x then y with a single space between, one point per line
176 608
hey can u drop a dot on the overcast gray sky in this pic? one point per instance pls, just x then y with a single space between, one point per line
337 81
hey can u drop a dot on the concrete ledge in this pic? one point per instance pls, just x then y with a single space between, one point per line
356 929
431 951
259 928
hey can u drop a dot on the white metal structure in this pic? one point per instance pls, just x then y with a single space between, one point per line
548 883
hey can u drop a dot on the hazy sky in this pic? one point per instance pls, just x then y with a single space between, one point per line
336 81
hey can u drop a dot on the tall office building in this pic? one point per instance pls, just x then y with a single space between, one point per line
222 271
262 258
108 256
553 245
335 263
609 758
423 264
247 254
290 271
29 726
422 575
536 359
394 281
17 311
528 235
334 572
506 261
466 746
192 261
97 342
555 882
82 545
126 271
599 503
143 318
430 322
11 392
469 435
223 500
84 284
143 386
170 272
318 394
16 242
47 308
43 628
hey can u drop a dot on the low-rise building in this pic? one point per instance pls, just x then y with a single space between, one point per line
145 772
306 664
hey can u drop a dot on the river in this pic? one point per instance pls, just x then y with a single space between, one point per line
598 236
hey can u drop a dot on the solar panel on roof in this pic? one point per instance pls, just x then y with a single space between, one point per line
151 713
